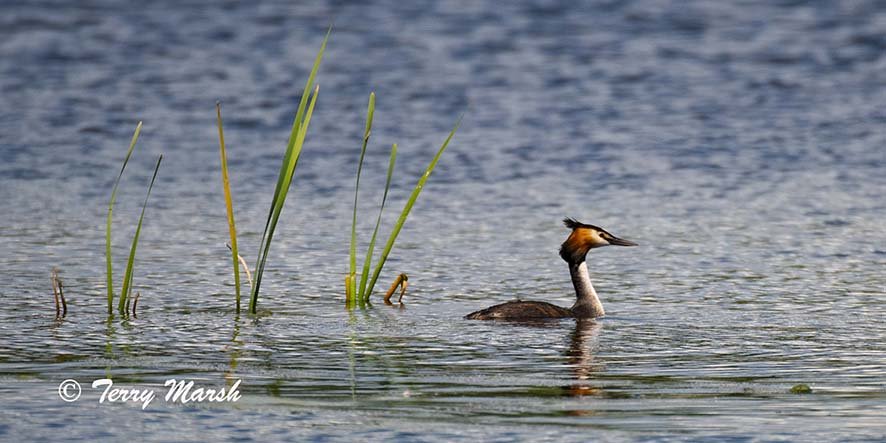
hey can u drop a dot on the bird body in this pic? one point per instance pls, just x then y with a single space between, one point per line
526 310
582 239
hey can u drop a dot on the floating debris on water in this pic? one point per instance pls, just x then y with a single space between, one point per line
801 389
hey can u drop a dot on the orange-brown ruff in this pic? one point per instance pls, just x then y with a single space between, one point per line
582 239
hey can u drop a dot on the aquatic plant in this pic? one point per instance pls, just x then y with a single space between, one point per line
402 281
287 169
801 388
110 270
355 293
125 293
229 205
350 280
61 306
123 304
243 264
358 293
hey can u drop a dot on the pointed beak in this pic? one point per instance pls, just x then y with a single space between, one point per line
620 241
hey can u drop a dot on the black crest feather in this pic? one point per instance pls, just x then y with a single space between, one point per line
572 223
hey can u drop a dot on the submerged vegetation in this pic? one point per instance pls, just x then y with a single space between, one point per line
359 293
123 306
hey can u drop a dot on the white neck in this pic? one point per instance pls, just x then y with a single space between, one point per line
587 304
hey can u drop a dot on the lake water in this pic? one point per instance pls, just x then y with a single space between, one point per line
742 145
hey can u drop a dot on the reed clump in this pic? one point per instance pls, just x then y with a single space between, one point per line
358 292
284 180
124 299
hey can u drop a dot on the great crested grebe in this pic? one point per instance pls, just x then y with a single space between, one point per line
582 239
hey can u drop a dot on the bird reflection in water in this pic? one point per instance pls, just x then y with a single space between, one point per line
579 355
582 345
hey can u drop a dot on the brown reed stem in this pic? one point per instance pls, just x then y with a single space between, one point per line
401 281
55 290
61 295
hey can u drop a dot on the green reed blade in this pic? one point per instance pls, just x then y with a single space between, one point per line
229 204
352 291
364 296
400 221
277 204
127 278
287 168
293 135
138 130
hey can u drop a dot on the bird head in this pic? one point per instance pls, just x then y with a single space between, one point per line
585 237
